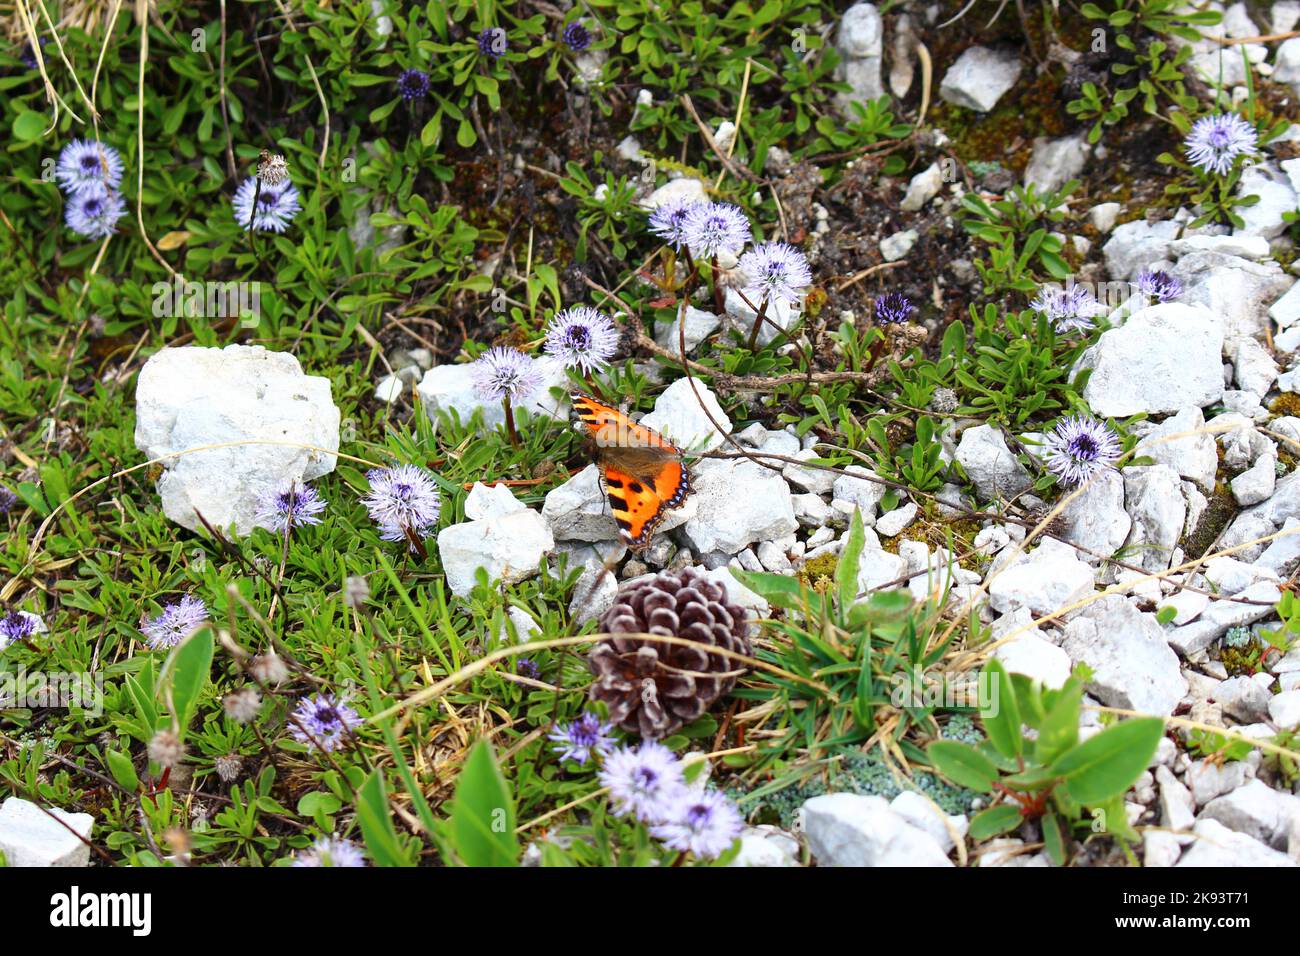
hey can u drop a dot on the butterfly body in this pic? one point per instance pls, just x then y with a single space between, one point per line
642 472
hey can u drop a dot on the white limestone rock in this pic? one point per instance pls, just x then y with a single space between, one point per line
996 473
1132 664
450 389
684 419
1165 358
740 503
845 829
28 837
191 397
979 77
510 547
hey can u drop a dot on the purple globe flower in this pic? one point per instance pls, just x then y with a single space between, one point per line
668 220
503 372
413 85
646 782
527 667
288 507
775 271
7 499
702 822
582 338
893 308
331 851
585 736
1070 309
404 502
576 37
1158 285
94 214
710 228
492 42
18 626
1079 447
276 205
176 622
88 166
1215 142
28 55
323 721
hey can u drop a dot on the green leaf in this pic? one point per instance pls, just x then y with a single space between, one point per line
483 813
29 126
963 765
377 823
1053 839
1060 728
1106 765
123 770
846 571
994 821
1000 712
190 664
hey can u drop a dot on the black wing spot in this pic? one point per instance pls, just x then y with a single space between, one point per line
615 483
618 502
624 524
635 487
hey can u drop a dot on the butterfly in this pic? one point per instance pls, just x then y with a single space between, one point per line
642 471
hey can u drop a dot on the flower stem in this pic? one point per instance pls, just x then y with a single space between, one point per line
758 323
719 303
510 421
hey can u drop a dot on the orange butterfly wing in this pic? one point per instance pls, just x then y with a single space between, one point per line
638 503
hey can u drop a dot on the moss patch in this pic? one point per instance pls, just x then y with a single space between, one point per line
819 573
1222 508
1288 403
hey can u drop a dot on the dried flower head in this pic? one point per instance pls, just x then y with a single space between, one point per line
944 401
356 592
776 271
582 738
276 205
712 228
492 42
1158 285
582 338
404 502
505 373
94 214
1079 447
1214 143
413 85
176 622
653 687
576 36
289 506
272 169
242 705
88 167
269 669
1072 309
331 851
166 749
893 308
228 767
702 822
646 781
668 220
323 721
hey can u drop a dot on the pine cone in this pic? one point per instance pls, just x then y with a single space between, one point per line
653 688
